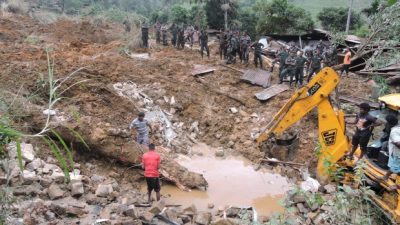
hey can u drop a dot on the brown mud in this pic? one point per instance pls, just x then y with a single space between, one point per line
93 106
232 181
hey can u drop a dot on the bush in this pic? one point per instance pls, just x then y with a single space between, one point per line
249 21
162 16
198 16
179 14
362 31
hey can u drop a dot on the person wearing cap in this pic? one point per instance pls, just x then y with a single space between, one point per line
151 163
346 62
394 148
364 125
142 127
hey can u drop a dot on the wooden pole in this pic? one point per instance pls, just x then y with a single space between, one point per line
349 17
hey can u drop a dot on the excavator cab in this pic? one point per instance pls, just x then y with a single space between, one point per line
333 139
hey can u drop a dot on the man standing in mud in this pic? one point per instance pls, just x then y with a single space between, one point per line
174 32
145 36
164 35
315 64
127 25
299 72
142 127
151 163
258 53
157 27
221 38
204 43
181 39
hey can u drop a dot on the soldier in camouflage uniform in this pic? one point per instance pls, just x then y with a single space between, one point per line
222 39
299 72
181 39
315 64
245 43
257 46
281 58
232 49
174 32
164 35
127 25
157 27
238 45
290 66
204 43
145 36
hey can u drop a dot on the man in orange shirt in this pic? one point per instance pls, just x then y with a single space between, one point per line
151 163
346 62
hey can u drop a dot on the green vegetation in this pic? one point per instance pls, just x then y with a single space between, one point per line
334 19
258 17
9 133
280 17
348 205
316 6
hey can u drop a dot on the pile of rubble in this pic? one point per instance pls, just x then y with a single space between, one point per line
329 204
42 196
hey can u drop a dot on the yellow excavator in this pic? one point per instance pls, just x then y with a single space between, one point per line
332 135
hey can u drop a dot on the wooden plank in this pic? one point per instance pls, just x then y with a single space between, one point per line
357 101
271 92
202 70
257 77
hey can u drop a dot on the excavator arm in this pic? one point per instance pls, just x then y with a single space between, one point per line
333 140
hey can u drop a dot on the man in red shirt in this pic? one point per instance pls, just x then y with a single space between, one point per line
151 163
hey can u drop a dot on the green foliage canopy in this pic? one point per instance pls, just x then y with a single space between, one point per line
179 14
281 17
333 18
215 14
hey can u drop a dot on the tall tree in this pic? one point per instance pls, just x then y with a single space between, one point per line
220 13
333 18
280 17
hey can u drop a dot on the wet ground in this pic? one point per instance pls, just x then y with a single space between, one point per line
232 182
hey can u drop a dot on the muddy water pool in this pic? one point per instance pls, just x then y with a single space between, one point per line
232 182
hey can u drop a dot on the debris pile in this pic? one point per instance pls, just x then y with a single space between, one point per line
43 195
